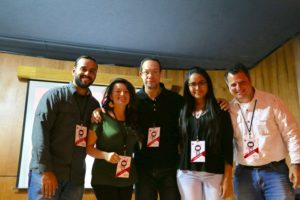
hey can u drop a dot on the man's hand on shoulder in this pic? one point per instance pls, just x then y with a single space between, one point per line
223 103
96 115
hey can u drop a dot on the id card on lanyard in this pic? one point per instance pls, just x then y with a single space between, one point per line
250 142
153 137
80 135
197 146
198 151
123 167
250 148
80 129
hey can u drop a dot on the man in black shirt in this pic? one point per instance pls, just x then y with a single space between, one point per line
157 160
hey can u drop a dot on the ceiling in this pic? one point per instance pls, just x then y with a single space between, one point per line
213 34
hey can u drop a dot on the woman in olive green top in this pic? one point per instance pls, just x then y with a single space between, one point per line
113 173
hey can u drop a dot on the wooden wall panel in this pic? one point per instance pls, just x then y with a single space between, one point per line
275 74
220 87
11 117
296 45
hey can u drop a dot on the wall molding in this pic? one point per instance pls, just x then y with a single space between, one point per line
59 75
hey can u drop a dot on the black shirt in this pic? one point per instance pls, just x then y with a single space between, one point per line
162 112
53 136
214 160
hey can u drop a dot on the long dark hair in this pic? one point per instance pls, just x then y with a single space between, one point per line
211 109
131 109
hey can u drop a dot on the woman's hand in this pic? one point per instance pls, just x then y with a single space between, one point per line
112 157
226 188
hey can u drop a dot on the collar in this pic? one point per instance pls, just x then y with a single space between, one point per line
144 95
74 91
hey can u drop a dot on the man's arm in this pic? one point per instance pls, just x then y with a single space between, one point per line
288 128
291 135
43 122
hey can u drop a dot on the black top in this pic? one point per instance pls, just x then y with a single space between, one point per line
214 160
162 112
53 135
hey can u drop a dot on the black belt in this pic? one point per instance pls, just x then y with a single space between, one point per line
263 166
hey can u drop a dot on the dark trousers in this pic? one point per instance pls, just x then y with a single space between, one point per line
153 181
106 192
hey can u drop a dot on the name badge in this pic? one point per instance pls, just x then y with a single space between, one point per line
123 167
250 148
153 137
198 151
80 135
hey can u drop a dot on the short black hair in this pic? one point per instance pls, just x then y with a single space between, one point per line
84 57
239 67
152 59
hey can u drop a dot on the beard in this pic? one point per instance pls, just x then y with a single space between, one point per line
81 84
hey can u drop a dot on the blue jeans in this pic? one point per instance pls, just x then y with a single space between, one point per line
65 190
270 183
153 181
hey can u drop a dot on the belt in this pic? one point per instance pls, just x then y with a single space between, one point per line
263 166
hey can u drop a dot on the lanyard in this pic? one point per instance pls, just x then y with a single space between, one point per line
124 133
249 128
197 125
155 114
197 118
82 109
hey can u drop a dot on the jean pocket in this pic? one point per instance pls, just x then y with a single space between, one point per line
180 172
281 168
237 170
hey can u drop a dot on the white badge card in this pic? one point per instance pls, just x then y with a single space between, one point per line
80 135
153 137
123 167
250 148
198 151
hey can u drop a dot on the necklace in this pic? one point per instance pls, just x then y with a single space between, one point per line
197 114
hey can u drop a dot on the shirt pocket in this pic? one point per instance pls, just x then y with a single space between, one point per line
262 126
239 126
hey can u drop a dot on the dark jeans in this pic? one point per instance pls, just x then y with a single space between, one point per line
154 181
107 192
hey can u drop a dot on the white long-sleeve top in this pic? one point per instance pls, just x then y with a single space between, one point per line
273 125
